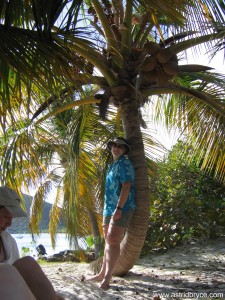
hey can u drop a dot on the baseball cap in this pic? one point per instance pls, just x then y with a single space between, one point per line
11 201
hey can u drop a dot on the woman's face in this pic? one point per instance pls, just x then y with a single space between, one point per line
117 150
5 219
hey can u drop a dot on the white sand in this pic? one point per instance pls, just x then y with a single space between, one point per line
187 272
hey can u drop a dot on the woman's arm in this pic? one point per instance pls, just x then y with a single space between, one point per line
122 199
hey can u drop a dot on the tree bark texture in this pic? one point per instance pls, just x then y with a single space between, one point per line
135 235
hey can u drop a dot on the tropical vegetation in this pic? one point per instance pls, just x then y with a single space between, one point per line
187 204
65 63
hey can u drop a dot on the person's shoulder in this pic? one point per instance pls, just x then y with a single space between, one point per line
125 160
6 235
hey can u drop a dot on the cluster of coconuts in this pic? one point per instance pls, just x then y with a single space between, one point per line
156 65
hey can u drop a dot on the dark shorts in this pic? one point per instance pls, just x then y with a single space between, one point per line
122 222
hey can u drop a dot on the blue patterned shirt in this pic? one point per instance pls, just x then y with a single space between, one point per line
120 171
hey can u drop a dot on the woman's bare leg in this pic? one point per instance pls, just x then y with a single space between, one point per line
100 275
112 251
36 279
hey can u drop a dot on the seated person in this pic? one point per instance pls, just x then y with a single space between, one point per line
20 278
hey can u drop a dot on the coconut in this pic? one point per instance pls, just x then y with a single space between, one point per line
148 78
171 68
136 52
162 78
151 48
174 57
148 64
120 91
164 55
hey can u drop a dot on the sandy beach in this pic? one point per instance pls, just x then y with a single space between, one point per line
190 271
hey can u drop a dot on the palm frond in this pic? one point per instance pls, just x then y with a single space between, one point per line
202 125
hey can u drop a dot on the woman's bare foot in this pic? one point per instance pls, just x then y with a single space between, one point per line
104 284
98 277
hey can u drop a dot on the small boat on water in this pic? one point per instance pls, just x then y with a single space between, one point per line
19 236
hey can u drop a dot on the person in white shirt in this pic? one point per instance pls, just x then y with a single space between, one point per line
20 278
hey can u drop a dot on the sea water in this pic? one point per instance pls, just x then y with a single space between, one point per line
26 241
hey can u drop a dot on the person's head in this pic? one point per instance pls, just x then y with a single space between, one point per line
5 218
119 146
9 207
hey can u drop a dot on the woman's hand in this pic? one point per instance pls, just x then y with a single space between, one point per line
117 214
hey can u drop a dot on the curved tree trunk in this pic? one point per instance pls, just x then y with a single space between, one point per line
135 235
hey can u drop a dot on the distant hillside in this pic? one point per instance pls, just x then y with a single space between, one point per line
21 225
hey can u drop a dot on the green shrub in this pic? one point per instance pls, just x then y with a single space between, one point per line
186 203
25 251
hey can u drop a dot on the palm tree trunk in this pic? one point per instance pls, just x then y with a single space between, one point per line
135 235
